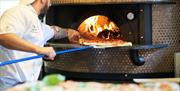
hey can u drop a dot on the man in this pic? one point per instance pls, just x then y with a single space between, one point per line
23 35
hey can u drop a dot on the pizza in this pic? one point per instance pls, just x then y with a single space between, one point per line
57 82
97 86
101 42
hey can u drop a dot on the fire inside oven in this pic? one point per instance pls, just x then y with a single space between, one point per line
99 26
131 23
101 21
98 30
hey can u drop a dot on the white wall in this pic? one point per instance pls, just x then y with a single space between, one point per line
5 4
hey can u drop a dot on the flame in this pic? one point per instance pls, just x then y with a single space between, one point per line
91 25
94 25
99 30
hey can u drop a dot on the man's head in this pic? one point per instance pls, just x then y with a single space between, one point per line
26 2
45 6
42 5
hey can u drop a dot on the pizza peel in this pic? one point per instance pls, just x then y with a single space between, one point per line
41 56
77 47
73 49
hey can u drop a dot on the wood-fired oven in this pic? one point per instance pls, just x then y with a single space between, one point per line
151 26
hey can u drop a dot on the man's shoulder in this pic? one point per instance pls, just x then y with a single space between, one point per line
18 12
17 9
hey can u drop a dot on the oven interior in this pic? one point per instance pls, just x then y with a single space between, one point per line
134 23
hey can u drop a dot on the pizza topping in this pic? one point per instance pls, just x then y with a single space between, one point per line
53 79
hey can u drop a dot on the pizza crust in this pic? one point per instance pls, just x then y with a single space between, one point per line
110 43
97 86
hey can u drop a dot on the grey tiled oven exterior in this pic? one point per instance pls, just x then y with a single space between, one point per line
116 62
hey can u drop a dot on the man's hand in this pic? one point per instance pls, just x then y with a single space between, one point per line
73 35
11 41
47 51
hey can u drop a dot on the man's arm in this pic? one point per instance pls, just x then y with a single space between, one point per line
12 41
59 32
72 35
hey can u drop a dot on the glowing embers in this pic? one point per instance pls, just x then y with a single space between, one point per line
99 27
